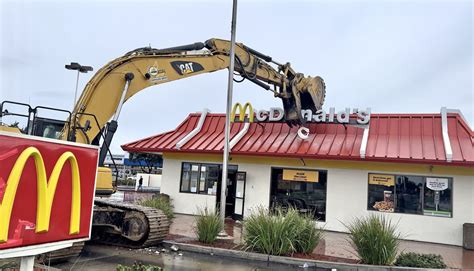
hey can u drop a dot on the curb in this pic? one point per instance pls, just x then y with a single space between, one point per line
289 260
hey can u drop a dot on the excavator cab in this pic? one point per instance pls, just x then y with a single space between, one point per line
48 127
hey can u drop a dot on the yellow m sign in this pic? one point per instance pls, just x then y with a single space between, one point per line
242 111
46 191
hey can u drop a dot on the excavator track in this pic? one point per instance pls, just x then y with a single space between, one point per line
61 255
128 225
153 221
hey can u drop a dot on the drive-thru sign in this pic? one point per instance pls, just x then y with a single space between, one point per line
46 193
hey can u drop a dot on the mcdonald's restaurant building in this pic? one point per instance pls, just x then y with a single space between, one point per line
418 169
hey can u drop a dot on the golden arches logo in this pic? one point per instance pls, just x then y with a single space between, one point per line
242 110
46 191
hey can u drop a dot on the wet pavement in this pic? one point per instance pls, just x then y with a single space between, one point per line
99 257
335 244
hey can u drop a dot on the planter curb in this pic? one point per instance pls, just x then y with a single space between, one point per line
288 260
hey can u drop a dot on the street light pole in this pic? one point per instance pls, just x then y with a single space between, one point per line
75 93
227 116
80 69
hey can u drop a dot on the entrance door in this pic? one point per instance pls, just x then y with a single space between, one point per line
239 197
230 191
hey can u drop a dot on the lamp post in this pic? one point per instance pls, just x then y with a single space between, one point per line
227 116
80 69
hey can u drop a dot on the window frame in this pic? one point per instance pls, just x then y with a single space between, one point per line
395 193
200 164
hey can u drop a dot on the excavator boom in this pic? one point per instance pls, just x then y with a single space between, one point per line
125 76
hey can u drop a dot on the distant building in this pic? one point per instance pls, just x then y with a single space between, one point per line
127 168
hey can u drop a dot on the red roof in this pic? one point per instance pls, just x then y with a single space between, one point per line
392 138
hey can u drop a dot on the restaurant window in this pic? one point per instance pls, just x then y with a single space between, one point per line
410 194
304 190
199 178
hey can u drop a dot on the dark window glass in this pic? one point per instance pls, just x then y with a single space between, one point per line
185 175
409 194
307 197
212 179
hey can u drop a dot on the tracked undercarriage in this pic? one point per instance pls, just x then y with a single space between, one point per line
128 225
120 224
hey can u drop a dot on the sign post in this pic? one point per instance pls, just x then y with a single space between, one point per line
47 191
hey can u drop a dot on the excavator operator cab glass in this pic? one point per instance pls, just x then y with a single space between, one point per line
49 128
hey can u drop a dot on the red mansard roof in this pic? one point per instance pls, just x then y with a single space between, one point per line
392 138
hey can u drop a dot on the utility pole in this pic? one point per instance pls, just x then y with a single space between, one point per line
230 82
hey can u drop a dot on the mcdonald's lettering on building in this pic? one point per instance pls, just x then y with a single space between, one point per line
46 190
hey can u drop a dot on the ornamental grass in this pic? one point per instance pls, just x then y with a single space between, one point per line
375 239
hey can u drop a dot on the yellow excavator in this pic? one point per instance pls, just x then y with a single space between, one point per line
94 118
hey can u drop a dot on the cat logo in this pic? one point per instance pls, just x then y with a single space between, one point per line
186 67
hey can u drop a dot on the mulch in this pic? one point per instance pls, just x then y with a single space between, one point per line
228 244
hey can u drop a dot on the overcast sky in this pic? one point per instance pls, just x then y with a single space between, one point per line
392 56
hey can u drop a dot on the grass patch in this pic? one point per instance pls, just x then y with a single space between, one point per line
161 203
375 239
281 233
208 225
412 259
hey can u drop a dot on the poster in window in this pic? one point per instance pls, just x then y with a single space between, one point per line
437 184
387 205
381 192
300 175
382 179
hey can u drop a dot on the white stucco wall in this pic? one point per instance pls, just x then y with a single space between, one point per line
346 198
184 203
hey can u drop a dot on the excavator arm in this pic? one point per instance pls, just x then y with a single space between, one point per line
120 79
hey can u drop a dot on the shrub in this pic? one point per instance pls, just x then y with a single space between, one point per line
208 225
375 239
280 233
308 235
412 259
160 203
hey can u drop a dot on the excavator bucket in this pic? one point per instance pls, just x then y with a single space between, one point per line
305 93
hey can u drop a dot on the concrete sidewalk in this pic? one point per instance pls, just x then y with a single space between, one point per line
335 244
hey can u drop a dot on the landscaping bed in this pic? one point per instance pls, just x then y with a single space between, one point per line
228 244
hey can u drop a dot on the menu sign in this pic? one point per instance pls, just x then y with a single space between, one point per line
437 184
301 175
382 179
